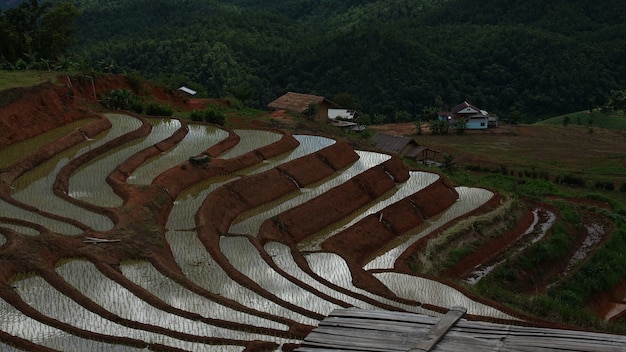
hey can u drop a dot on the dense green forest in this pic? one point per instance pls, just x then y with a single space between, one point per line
393 58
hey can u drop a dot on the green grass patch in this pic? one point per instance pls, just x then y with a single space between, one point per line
14 79
603 271
587 119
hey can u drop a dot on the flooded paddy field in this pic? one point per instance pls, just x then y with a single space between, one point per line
237 251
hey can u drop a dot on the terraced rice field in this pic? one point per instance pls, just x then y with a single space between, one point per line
118 242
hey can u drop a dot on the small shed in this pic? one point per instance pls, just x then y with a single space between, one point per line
404 146
355 329
187 91
300 103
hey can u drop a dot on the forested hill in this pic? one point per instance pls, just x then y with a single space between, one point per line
394 58
7 4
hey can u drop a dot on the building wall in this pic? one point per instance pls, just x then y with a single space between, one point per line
477 124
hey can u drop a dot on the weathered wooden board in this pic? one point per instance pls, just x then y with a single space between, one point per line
368 331
437 332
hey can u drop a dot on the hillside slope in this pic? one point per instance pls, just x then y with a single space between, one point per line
394 57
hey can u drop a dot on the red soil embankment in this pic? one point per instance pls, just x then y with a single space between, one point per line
223 205
186 174
9 175
36 110
91 88
306 219
364 239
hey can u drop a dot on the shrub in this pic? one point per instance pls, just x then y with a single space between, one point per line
439 126
197 116
121 99
457 254
155 109
448 164
211 114
605 185
572 180
136 106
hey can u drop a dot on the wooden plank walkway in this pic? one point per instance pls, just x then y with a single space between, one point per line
368 331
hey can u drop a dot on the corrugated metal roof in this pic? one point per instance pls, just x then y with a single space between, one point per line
414 150
187 90
390 143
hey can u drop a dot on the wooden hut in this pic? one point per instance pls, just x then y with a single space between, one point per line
405 147
312 106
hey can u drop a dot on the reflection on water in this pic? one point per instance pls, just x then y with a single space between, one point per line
196 263
19 150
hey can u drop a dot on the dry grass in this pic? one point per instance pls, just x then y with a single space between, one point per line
593 153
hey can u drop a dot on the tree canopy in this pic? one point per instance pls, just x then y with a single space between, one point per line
32 34
394 57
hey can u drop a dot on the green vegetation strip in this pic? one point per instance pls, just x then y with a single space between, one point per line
14 79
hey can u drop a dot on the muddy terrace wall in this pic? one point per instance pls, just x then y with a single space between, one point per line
35 110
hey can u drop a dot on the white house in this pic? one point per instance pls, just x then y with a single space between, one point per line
342 114
344 118
475 117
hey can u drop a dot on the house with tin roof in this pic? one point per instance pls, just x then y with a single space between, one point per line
474 117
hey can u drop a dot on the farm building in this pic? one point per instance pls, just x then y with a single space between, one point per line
345 118
475 117
354 329
405 147
187 91
301 104
342 114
